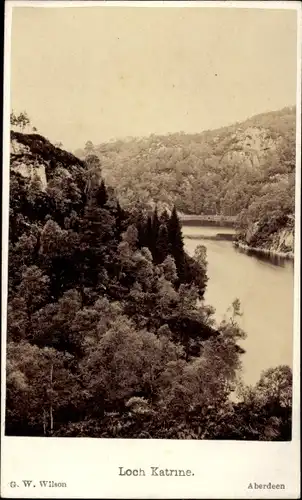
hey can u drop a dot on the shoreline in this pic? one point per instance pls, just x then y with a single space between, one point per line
217 237
264 251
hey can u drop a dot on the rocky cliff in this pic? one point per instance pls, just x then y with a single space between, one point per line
273 236
34 157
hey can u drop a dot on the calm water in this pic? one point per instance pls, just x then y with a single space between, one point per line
265 290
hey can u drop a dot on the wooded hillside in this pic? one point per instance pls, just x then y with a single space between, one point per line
246 169
108 334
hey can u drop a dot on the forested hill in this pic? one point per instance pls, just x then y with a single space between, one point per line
106 336
235 170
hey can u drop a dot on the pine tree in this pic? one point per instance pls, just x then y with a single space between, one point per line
155 224
164 217
120 218
142 234
176 245
101 194
149 233
162 244
97 232
154 234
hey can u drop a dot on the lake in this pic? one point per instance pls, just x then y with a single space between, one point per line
265 288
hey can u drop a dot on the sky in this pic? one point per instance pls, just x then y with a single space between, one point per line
99 73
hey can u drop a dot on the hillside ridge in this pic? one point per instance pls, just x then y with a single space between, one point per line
246 170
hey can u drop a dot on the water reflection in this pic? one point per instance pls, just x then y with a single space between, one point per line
264 285
275 260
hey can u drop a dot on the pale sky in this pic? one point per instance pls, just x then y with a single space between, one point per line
96 73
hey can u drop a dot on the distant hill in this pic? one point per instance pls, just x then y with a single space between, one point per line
220 171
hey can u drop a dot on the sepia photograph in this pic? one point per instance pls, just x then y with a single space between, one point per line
152 223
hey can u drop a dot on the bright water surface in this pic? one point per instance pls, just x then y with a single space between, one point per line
265 290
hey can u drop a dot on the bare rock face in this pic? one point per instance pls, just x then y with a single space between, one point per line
250 145
283 241
34 157
31 171
19 148
275 236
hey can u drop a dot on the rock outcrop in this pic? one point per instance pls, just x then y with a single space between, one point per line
34 157
275 236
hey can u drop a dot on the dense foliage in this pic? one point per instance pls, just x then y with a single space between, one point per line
245 170
108 334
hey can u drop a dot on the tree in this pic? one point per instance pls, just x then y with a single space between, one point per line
235 309
22 120
176 246
53 239
93 175
154 235
33 288
200 256
89 148
164 217
144 270
169 269
141 357
149 233
275 386
17 320
162 243
93 160
13 119
39 386
130 236
101 194
196 274
53 325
